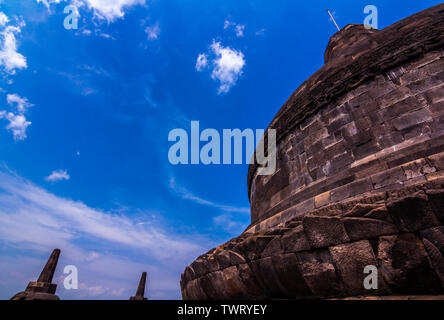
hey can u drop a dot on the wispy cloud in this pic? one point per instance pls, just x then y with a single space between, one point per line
153 32
260 32
238 28
21 104
58 175
229 223
201 62
188 195
32 218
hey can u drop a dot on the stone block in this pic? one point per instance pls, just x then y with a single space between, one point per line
324 231
351 259
265 269
436 199
411 119
254 289
417 168
405 266
234 285
295 240
319 273
400 108
389 177
435 95
365 228
361 186
322 199
228 258
287 269
437 160
412 213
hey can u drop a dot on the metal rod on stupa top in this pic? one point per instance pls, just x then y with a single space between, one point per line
49 269
331 16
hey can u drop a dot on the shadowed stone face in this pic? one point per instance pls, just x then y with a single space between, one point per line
140 293
359 179
42 289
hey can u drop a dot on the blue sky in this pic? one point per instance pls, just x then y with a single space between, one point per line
85 116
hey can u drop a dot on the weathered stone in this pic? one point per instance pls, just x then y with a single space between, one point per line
324 231
412 213
273 247
351 260
436 198
361 209
389 177
319 273
254 289
364 228
264 269
229 258
252 247
295 240
435 236
405 266
379 213
437 160
436 259
233 283
287 269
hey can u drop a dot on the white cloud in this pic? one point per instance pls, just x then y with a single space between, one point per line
228 23
240 30
3 19
58 175
111 10
228 66
47 3
17 124
17 120
153 31
10 59
108 10
201 62
21 104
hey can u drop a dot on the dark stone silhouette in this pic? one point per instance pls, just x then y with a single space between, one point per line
140 294
42 289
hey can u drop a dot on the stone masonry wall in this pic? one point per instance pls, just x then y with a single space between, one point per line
361 144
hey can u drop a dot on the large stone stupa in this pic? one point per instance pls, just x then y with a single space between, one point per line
359 179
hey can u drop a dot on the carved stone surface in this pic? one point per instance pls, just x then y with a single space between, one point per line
359 179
